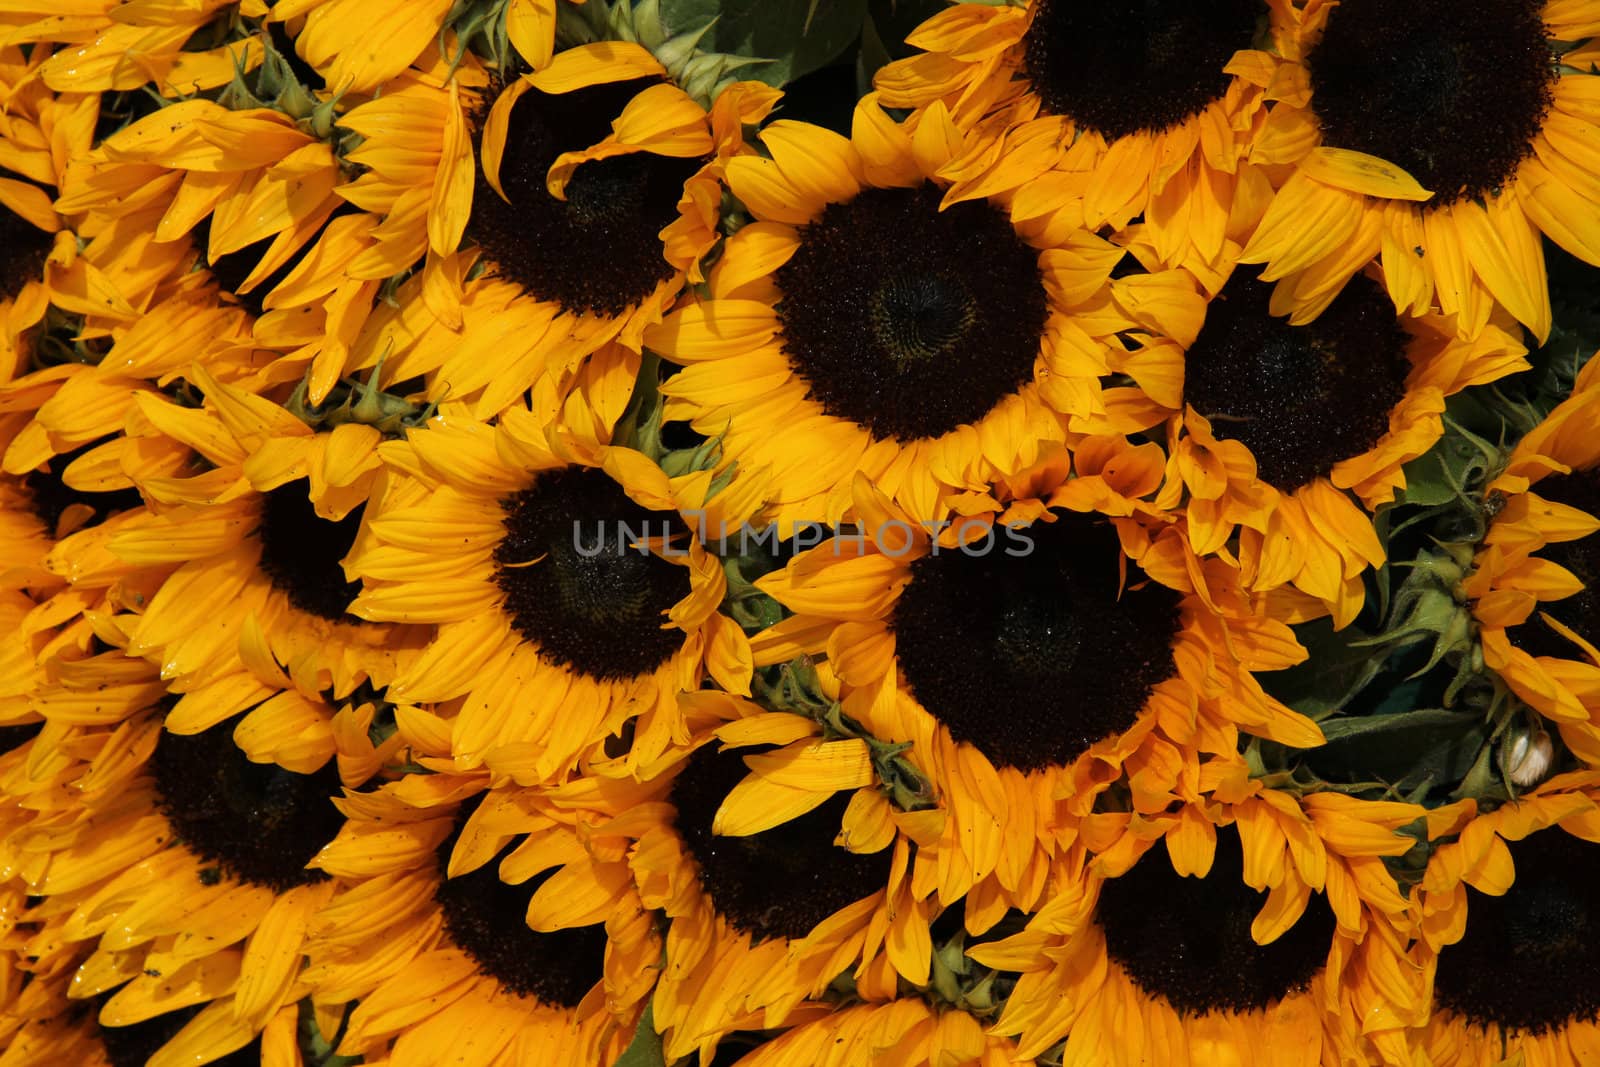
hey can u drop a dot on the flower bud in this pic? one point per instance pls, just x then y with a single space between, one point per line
1526 758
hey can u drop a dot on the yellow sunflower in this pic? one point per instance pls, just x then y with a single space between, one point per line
182 858
1273 426
1025 610
70 473
906 1032
498 926
849 328
257 608
760 921
572 592
1442 139
104 273
1539 560
257 184
1236 930
596 198
1090 115
1506 904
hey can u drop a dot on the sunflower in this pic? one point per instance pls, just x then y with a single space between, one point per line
499 925
572 592
102 273
71 474
256 184
183 860
1273 424
1090 115
256 612
1025 608
1219 932
850 316
907 1032
1506 900
597 196
1541 550
1443 140
761 921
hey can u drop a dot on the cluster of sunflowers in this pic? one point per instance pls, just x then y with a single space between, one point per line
517 548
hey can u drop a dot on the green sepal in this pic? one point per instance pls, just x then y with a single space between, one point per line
794 687
316 1049
359 402
789 38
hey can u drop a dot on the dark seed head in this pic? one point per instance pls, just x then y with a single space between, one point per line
1034 657
1301 398
600 249
1454 93
778 883
51 496
300 551
1121 66
908 320
1188 939
573 585
487 919
258 822
23 250
1581 611
1530 960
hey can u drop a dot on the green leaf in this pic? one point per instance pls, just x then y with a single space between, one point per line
645 1048
871 57
1426 481
1432 744
799 36
1335 672
316 1049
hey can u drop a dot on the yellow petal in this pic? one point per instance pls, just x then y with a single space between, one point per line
531 26
756 804
596 64
828 765
452 185
1361 173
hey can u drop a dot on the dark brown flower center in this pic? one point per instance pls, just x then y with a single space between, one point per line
1530 959
23 250
909 320
1301 398
778 883
576 587
301 550
1121 66
1455 93
1581 611
51 497
256 821
1028 648
132 1046
1188 939
599 249
487 919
